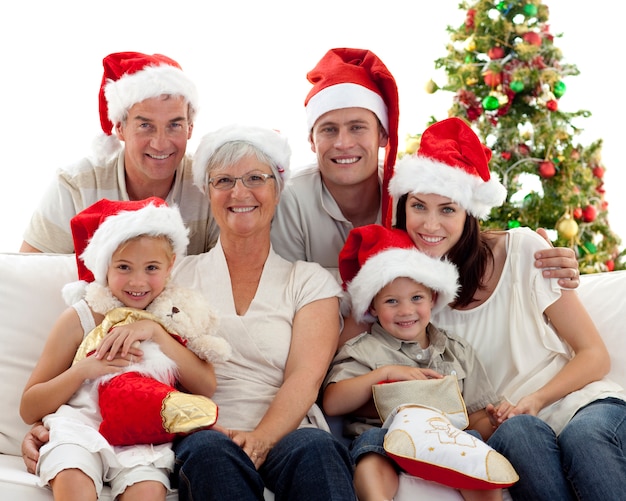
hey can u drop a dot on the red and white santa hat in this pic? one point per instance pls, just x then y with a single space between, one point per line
270 141
357 78
102 227
373 256
451 162
132 77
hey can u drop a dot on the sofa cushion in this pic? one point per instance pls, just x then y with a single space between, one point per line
30 302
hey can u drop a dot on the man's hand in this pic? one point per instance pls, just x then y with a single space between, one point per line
34 439
558 262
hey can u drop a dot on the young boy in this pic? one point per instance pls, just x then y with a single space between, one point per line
388 279
100 351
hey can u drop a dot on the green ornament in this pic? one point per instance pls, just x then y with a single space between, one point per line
589 248
469 59
490 103
517 86
530 10
502 6
513 224
559 89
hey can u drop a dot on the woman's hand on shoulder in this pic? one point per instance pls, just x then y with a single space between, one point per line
558 262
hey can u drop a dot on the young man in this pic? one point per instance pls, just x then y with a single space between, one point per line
147 103
352 111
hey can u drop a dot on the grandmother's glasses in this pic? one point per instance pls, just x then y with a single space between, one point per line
251 180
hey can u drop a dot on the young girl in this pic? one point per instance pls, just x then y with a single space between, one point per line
388 279
129 253
564 427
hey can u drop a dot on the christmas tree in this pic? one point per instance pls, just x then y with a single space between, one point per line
507 77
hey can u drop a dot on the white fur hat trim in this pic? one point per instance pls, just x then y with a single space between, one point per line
269 141
381 269
150 220
419 174
152 81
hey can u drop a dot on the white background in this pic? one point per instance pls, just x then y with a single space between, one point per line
249 59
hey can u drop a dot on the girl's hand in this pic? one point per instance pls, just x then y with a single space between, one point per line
92 367
125 340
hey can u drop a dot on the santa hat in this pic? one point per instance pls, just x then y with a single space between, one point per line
269 141
132 77
373 256
102 227
451 162
357 78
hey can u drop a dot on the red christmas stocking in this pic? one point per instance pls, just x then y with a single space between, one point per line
137 409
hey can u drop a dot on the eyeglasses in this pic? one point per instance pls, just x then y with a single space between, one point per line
251 180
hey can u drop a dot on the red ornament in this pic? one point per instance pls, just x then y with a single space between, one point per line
496 53
598 171
469 20
578 213
474 112
506 155
532 38
552 105
492 78
547 169
523 149
610 265
589 214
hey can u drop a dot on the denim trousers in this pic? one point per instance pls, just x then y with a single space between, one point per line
307 464
586 461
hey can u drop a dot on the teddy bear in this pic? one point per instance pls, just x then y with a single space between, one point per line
143 404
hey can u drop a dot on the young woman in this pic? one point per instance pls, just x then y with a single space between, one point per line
564 428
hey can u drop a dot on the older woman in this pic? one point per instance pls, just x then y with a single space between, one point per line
282 320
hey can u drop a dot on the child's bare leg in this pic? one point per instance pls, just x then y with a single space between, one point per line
484 495
148 489
73 485
375 479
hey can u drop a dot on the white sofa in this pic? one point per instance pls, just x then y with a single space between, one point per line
30 301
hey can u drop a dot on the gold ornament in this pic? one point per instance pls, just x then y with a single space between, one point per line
431 86
567 227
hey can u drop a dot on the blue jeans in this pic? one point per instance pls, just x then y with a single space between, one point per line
587 461
307 464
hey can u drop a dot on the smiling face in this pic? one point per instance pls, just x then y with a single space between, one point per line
346 142
243 211
139 270
434 223
155 135
403 309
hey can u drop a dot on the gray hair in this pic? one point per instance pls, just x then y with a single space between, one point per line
232 152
